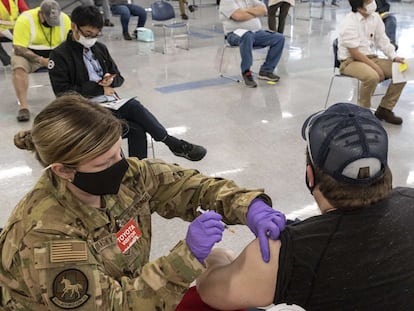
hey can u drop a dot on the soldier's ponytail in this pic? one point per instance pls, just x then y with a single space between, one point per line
23 140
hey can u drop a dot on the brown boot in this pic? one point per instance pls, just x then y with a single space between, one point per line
387 116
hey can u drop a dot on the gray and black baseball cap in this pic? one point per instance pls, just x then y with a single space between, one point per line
51 11
347 142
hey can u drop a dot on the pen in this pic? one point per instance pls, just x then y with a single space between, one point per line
200 210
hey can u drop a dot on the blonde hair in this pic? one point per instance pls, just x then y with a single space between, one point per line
70 130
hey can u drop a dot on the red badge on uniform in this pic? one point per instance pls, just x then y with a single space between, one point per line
128 235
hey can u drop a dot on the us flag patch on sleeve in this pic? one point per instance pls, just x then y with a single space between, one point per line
64 251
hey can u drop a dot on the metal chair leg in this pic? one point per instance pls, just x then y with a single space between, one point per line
329 91
221 66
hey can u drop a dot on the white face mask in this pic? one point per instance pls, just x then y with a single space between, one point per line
87 42
371 8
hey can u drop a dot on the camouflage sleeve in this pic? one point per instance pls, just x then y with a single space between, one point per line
67 274
164 281
177 192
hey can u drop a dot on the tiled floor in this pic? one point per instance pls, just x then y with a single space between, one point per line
252 135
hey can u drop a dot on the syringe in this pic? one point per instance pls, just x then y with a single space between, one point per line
200 210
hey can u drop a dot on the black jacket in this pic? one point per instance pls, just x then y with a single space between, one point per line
67 70
382 6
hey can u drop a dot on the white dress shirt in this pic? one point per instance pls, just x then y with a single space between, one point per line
365 33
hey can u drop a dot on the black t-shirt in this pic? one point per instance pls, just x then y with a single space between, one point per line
351 260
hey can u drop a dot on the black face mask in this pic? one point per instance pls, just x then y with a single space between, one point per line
104 182
46 24
307 182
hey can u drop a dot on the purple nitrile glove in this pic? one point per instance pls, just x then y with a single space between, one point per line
265 222
203 232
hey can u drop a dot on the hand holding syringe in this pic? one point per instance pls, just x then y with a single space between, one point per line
200 210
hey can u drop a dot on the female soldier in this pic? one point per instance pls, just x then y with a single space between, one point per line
81 237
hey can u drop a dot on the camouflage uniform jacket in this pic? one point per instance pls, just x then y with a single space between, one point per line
59 254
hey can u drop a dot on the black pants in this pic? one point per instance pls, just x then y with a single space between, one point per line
140 121
283 8
4 57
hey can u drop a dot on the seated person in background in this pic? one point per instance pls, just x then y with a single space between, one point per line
242 27
83 65
125 10
356 255
182 4
283 8
360 34
36 32
390 22
105 7
87 223
9 11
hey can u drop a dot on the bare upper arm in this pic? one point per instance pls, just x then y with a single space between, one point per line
247 281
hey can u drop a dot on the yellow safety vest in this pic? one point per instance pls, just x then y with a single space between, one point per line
7 19
30 33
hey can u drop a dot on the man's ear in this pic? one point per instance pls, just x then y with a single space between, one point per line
41 17
73 27
62 171
310 175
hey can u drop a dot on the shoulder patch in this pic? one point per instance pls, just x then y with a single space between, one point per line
70 289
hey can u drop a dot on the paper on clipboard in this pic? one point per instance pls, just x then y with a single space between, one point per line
116 104
406 75
240 32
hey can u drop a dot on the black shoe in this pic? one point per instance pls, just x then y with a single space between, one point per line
248 79
108 23
270 76
388 116
127 36
190 151
191 8
184 16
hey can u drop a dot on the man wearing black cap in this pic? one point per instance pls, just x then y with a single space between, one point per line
356 255
36 33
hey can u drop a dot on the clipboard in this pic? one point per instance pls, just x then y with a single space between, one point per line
401 74
116 104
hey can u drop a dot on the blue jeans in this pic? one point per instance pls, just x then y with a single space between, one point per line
259 39
125 11
390 23
140 121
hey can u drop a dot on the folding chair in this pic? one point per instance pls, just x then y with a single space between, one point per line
162 12
339 75
227 46
336 73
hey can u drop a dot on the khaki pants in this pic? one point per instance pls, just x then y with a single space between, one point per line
22 62
369 81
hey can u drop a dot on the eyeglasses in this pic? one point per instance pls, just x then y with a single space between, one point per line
89 36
